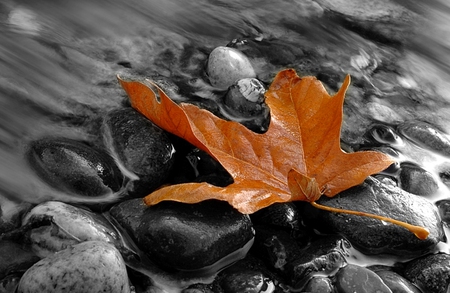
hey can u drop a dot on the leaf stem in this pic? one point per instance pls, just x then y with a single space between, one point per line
420 232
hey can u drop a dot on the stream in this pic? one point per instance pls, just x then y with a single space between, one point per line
59 62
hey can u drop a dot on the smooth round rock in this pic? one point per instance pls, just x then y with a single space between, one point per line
190 237
397 283
319 284
373 236
227 65
426 135
430 273
143 148
71 225
353 278
91 266
74 167
417 180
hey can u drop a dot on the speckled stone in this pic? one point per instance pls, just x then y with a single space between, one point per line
91 266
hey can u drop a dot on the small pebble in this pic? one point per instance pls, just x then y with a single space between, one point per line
353 278
227 65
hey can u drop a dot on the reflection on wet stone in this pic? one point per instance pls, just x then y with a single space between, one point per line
416 180
143 149
373 236
74 167
353 278
371 40
430 273
187 237
396 283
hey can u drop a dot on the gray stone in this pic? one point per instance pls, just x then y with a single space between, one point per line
430 273
417 180
187 237
426 135
353 278
74 167
144 150
373 236
319 284
396 283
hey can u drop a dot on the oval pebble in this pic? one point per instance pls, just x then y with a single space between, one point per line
91 266
226 66
353 278
397 283
74 167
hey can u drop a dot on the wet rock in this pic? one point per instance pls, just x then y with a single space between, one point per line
353 278
74 167
15 258
275 246
319 284
323 256
426 136
247 276
191 237
91 266
444 210
129 213
380 20
70 226
245 100
296 260
430 273
373 236
227 65
416 180
206 169
383 135
396 283
280 215
143 149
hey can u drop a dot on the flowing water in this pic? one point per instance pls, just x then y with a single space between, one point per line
59 61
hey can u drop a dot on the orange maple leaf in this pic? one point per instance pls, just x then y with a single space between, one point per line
298 158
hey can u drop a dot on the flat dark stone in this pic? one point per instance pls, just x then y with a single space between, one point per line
373 236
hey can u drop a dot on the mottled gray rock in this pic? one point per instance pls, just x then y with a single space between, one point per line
396 283
144 150
187 237
416 180
74 167
430 273
353 278
373 236
91 266
426 135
